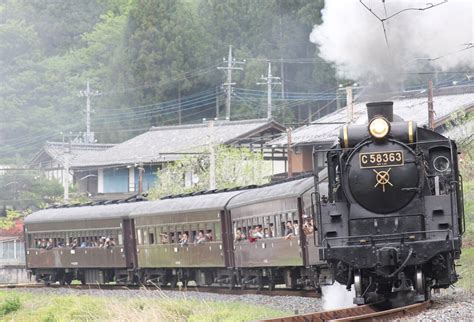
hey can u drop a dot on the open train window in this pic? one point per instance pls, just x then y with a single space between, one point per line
151 236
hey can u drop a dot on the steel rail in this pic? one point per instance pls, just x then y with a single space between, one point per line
357 313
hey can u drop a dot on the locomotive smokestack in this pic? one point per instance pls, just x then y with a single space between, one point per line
384 109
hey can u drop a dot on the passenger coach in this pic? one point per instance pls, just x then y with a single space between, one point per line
63 244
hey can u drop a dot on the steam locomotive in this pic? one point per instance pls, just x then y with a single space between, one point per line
388 219
392 221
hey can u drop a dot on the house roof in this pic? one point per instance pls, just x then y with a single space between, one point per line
168 143
414 109
58 150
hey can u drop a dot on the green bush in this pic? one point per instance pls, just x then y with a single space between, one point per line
9 305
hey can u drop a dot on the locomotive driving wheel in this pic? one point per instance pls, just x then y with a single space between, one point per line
420 286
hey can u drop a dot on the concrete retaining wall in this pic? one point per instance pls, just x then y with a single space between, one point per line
13 275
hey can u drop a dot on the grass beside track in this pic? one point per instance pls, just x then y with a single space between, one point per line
26 306
466 270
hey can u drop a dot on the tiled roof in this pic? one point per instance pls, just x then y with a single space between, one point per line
414 109
79 152
168 143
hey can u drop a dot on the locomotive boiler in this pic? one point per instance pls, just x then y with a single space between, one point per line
392 221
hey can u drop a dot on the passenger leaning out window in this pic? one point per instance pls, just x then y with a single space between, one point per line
209 236
200 238
289 230
184 240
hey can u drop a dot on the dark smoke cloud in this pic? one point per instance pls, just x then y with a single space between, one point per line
352 38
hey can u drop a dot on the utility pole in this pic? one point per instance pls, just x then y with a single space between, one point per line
179 106
212 158
67 164
89 136
350 104
430 106
217 102
290 153
141 169
231 65
269 82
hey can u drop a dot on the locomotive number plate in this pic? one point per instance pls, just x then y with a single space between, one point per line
381 159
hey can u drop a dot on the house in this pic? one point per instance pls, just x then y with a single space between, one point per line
106 172
57 159
323 132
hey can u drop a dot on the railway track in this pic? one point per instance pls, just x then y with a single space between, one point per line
358 313
217 290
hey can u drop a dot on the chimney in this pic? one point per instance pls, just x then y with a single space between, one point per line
384 109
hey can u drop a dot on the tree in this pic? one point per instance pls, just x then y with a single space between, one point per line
234 167
26 189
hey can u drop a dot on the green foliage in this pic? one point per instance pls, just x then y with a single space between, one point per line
233 167
8 221
23 189
9 305
142 307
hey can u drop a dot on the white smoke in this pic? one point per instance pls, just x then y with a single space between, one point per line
336 297
353 38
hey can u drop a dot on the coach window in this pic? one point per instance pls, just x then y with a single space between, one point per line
139 236
217 231
151 235
145 236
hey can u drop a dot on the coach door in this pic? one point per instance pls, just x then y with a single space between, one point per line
130 246
227 238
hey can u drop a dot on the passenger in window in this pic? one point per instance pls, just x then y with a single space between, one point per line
200 238
270 230
102 242
209 236
239 235
112 241
296 228
164 238
83 244
289 230
49 244
308 228
184 240
266 233
74 243
42 244
257 232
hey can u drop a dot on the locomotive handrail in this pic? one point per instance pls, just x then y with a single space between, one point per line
372 237
318 219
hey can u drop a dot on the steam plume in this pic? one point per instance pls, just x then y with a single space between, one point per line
336 296
353 38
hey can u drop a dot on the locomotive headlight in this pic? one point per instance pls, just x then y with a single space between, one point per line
379 128
441 163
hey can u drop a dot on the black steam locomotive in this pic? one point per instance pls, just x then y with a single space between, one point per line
392 221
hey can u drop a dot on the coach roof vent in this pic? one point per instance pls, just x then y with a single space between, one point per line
384 109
